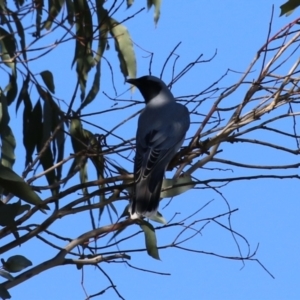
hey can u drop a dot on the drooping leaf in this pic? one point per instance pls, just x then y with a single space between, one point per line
83 176
79 143
16 263
8 212
11 89
8 147
125 212
158 218
157 4
70 10
54 8
29 139
24 91
175 187
150 239
47 162
59 142
129 3
84 38
94 89
103 20
47 120
7 138
4 115
46 96
288 7
7 276
21 33
47 158
4 294
32 123
124 48
15 185
8 49
39 4
48 80
19 3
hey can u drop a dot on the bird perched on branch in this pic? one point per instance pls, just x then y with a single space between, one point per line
162 126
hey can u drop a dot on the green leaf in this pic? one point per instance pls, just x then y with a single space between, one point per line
157 4
70 10
8 49
4 116
14 184
79 143
158 218
124 48
103 20
21 34
94 89
8 147
32 122
19 3
8 212
29 139
54 8
16 263
97 159
129 3
4 294
47 160
150 238
59 141
39 5
125 212
24 92
84 38
174 187
288 7
6 134
7 276
11 89
83 176
48 80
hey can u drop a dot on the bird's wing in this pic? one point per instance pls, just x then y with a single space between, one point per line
156 146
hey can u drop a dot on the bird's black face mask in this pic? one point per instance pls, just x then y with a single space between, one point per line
148 88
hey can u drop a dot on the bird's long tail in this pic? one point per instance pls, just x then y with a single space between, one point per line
146 196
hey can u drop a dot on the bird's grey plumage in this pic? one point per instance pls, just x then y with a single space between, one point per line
162 126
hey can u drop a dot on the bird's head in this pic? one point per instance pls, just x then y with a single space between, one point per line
149 86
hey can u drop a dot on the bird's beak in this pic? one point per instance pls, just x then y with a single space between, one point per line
132 81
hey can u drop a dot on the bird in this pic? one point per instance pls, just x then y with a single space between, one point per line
161 130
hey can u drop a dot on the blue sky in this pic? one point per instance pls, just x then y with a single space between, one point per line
268 210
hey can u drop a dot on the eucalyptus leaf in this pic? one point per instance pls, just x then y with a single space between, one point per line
157 5
288 7
8 49
175 187
15 184
16 263
6 275
150 239
158 217
8 212
124 48
48 80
